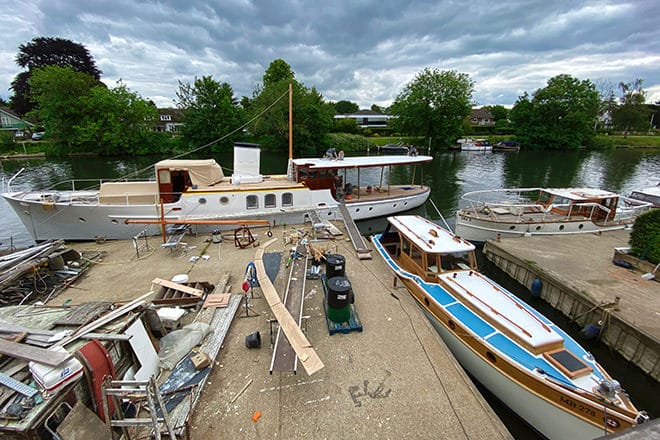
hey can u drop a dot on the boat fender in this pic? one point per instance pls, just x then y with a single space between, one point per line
590 331
536 287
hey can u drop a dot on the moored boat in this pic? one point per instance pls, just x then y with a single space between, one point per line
506 146
474 145
521 212
650 194
393 149
523 358
198 190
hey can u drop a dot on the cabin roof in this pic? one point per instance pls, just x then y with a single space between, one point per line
360 161
504 310
428 236
581 194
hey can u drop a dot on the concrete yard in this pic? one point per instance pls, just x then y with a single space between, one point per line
396 379
580 279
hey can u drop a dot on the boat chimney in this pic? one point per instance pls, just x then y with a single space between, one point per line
247 163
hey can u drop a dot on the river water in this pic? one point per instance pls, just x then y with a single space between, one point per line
450 175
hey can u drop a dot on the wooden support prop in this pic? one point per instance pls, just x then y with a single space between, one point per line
180 287
299 342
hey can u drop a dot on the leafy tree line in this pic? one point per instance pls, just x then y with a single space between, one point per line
61 89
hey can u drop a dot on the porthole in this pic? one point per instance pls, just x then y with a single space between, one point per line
394 206
114 221
538 228
202 201
26 212
426 301
357 210
561 227
405 203
491 357
371 208
580 226
224 200
81 220
511 228
451 324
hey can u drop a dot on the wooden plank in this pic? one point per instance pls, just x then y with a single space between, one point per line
30 353
82 424
180 287
303 348
217 300
108 317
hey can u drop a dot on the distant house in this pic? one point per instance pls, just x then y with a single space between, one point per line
169 120
482 117
11 122
367 118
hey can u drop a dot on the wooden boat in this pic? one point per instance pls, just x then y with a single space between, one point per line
520 212
198 190
524 359
506 146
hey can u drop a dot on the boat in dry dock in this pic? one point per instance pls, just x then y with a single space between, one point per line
523 358
520 212
198 191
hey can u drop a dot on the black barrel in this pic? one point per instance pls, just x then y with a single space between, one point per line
340 294
335 265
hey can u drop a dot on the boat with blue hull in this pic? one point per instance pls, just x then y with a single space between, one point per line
523 358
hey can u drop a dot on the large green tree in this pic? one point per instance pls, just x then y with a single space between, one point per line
47 51
116 121
631 114
434 105
210 112
57 93
346 107
312 116
561 115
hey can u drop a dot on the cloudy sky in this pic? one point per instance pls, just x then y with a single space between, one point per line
363 51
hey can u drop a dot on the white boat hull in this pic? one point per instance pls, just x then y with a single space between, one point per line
72 221
477 230
546 418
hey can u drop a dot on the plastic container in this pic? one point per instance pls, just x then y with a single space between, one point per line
51 378
180 278
335 265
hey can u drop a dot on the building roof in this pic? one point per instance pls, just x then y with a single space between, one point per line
481 113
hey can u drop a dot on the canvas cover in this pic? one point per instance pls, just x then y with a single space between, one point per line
202 173
131 193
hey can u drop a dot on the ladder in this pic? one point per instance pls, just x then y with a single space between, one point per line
145 391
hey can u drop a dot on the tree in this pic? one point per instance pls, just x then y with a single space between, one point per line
47 51
434 105
312 116
116 120
210 111
631 114
499 112
377 108
346 107
57 93
278 71
561 115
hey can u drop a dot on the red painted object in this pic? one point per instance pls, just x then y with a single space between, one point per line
98 365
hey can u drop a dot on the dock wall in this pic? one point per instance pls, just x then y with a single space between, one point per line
635 345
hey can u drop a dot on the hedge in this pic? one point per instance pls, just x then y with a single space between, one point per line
645 237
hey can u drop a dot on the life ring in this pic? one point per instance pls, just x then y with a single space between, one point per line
269 234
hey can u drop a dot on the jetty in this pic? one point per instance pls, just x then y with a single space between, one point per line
395 379
576 275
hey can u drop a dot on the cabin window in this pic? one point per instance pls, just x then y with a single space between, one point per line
202 201
269 201
287 199
416 255
405 246
164 176
224 200
252 202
